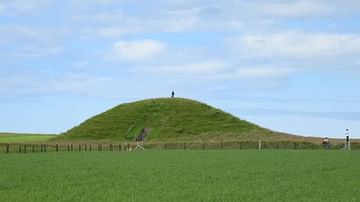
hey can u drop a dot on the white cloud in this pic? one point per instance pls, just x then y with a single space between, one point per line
199 15
21 7
297 45
104 1
36 83
104 18
136 50
111 32
260 72
164 17
176 24
81 83
303 8
115 24
34 51
23 33
218 70
31 42
192 69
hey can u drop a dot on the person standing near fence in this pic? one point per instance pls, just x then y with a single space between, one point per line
326 143
347 142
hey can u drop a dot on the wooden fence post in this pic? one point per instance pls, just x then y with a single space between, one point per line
57 148
68 147
45 147
184 146
203 146
79 147
240 145
72 147
110 147
119 147
89 147
19 148
25 148
295 145
85 147
166 146
7 148
33 148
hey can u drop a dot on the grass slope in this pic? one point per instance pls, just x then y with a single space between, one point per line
270 175
23 138
168 119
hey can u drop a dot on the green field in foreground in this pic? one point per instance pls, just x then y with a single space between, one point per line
22 138
269 175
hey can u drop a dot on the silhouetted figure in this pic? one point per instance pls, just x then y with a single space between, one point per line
172 94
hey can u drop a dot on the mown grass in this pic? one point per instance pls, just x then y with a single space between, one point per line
251 175
23 138
168 119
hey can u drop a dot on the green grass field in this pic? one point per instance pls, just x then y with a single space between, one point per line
23 138
269 175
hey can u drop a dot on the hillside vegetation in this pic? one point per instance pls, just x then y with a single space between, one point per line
168 119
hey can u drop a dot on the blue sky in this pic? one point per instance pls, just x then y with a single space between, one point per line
291 66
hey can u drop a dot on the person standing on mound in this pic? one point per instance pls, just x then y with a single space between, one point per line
172 94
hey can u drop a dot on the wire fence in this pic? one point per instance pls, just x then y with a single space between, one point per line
243 145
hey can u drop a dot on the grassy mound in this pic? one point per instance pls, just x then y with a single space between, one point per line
168 119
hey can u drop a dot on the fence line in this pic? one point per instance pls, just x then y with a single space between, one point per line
241 145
